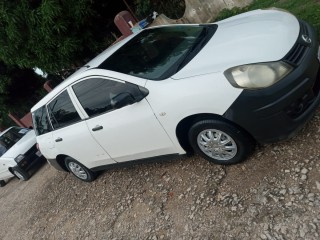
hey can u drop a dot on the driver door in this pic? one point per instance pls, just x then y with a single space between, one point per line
127 133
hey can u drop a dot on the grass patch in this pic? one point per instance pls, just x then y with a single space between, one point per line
308 10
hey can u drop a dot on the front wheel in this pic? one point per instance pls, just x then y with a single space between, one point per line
220 142
20 173
80 171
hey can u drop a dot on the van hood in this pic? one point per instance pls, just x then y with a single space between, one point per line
256 36
22 146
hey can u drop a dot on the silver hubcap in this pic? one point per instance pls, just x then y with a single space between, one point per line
217 144
18 175
77 170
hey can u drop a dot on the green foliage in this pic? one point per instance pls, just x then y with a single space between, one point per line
143 8
48 34
309 10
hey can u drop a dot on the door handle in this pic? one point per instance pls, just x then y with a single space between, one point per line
59 139
97 128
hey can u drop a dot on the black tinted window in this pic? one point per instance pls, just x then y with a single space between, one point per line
11 137
41 122
160 52
62 111
95 94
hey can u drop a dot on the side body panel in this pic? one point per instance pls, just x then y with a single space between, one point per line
174 100
130 133
77 142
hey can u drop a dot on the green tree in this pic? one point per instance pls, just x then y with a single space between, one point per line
48 34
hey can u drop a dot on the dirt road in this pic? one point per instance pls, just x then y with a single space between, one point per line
273 195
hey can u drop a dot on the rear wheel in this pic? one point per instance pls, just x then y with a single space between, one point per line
79 171
20 173
220 142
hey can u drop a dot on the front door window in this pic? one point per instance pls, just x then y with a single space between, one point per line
62 112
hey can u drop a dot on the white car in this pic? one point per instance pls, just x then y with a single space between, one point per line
18 153
215 89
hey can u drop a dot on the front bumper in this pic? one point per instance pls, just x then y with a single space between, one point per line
278 112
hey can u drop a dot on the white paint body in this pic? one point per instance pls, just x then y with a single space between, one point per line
148 128
21 147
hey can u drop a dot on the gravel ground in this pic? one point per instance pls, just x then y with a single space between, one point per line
275 194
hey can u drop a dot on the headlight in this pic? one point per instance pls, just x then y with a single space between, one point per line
19 158
260 75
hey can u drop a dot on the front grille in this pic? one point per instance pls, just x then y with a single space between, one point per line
296 54
298 51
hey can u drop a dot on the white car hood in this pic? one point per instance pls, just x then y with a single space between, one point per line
23 145
257 36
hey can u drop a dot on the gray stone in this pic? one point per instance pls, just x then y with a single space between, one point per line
262 236
303 177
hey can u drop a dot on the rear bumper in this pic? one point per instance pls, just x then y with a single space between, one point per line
32 157
279 111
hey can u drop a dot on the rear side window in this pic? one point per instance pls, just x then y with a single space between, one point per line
41 122
62 112
95 94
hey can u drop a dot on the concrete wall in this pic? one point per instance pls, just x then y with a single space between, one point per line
201 11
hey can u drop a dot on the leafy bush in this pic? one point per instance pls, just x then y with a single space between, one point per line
47 34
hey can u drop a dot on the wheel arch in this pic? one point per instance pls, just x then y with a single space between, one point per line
60 161
184 125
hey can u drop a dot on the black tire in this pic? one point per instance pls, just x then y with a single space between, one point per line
2 183
79 170
20 174
220 142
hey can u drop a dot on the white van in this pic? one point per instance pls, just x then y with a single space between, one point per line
215 89
18 153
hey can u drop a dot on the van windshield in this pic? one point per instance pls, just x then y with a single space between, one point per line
158 53
11 137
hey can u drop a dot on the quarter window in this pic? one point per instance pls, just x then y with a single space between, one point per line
62 111
95 94
40 121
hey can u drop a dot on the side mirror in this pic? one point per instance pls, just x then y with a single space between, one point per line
143 92
121 100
